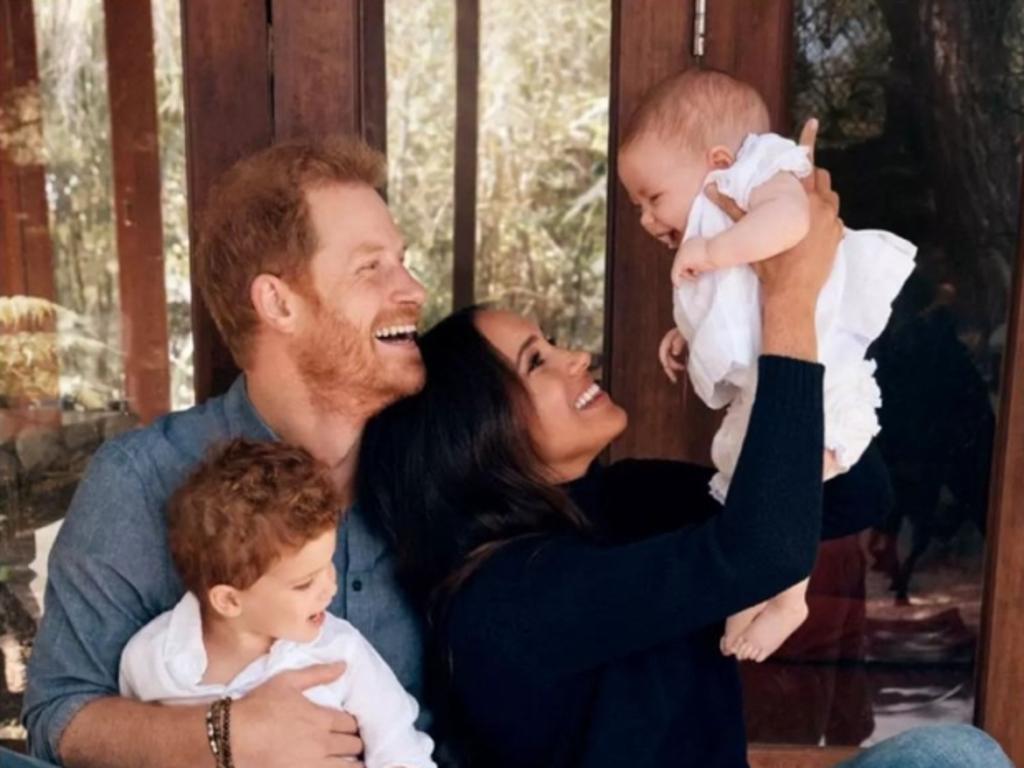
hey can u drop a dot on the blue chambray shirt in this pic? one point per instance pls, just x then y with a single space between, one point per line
110 570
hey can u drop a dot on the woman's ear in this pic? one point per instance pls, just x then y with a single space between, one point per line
225 600
274 301
720 157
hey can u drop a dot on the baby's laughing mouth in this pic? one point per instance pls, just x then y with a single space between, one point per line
670 238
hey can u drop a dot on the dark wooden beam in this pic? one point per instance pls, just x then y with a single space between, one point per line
467 82
136 159
1001 662
26 253
228 114
374 74
316 71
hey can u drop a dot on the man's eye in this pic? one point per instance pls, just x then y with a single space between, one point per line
369 266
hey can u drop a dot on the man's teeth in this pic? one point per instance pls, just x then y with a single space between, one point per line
587 397
396 332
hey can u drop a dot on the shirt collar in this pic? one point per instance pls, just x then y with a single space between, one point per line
241 414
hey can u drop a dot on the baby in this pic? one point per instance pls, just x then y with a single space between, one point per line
252 533
701 127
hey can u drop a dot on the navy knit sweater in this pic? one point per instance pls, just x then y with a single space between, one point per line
564 650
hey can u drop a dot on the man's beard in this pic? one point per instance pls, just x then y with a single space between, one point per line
343 373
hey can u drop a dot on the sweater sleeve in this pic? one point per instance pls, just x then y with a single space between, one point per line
639 498
553 606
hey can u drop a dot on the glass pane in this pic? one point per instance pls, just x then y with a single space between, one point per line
420 45
542 178
62 389
920 106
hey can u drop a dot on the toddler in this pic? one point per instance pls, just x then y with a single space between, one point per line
253 534
701 127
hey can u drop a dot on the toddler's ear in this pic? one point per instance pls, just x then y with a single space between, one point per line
720 157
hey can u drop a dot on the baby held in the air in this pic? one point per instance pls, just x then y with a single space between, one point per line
702 127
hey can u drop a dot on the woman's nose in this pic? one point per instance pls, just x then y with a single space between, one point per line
580 361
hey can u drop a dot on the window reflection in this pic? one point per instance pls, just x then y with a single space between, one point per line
926 150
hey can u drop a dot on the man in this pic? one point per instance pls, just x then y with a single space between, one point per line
303 270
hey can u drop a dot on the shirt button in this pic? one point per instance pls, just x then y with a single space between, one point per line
357 586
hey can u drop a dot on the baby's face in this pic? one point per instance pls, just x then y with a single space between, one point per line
289 600
662 181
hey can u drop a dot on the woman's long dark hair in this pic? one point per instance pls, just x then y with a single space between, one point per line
449 474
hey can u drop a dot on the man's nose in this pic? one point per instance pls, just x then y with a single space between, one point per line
410 290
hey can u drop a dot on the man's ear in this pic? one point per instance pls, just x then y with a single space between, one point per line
224 599
274 301
720 157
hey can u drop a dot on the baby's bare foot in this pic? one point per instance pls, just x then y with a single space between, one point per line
769 629
736 625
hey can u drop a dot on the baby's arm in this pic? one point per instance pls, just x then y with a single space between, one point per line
778 219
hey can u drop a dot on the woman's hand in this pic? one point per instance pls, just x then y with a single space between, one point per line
791 281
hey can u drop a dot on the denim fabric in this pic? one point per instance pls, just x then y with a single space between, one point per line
110 571
934 746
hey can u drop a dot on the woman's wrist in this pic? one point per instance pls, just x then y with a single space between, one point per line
788 328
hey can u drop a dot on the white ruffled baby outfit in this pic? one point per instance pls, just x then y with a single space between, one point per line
719 314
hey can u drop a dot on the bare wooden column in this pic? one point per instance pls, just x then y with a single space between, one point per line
256 72
136 159
26 253
1001 665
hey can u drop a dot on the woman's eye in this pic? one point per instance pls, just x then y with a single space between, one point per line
535 362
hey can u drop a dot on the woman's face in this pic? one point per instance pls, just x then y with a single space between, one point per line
572 419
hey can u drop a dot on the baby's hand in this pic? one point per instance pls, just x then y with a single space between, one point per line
670 352
692 259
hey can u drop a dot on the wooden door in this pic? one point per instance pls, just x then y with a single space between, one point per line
895 137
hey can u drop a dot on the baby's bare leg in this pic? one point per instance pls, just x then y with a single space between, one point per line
736 625
770 628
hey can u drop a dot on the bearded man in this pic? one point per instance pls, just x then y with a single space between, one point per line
302 267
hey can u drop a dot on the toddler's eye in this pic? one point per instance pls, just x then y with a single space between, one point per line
303 586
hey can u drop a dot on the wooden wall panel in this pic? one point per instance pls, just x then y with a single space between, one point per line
26 253
136 160
1001 664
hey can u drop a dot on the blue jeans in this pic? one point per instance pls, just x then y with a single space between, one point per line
934 746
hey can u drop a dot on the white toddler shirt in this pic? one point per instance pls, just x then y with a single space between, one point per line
719 314
165 662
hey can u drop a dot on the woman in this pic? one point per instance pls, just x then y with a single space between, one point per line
577 611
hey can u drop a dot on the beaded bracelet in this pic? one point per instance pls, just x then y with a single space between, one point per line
218 732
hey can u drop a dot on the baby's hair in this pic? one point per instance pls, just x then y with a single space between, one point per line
698 109
245 506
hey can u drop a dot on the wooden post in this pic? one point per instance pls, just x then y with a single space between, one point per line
26 254
467 83
136 160
1001 662
257 72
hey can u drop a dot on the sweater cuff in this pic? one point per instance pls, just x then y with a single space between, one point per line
792 390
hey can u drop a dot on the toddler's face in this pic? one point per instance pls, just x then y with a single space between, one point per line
289 600
662 180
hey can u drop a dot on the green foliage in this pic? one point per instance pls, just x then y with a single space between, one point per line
542 158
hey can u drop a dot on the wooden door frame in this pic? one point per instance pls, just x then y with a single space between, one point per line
650 42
